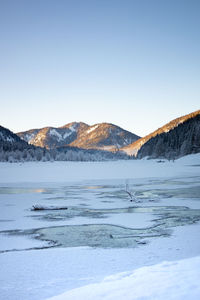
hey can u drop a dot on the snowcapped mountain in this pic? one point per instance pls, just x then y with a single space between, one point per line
49 144
79 141
10 141
179 137
104 136
51 137
101 136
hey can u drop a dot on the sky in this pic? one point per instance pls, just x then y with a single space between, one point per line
134 63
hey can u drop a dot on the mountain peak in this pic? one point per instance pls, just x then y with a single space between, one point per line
101 136
74 124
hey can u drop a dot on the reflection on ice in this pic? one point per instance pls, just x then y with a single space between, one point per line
8 190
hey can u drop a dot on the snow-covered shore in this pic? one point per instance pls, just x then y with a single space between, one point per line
177 280
77 171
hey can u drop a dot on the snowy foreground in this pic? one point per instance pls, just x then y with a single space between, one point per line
103 246
169 280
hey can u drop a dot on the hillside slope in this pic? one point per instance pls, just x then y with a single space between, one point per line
104 136
181 140
10 141
167 133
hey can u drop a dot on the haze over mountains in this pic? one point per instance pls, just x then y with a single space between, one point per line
79 141
103 136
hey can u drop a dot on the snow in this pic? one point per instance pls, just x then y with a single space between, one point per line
77 171
61 137
67 134
73 127
109 148
92 128
56 134
6 138
131 151
176 280
45 273
11 242
39 137
28 137
93 191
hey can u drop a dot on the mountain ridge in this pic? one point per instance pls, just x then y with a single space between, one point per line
182 140
78 140
14 149
101 136
133 148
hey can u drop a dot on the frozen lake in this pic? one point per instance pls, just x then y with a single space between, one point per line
100 231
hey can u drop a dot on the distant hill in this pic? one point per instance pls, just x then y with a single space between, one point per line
14 149
104 136
177 138
51 137
101 136
79 141
10 141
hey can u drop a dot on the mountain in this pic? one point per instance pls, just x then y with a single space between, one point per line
51 137
101 136
177 138
10 141
79 141
104 136
14 149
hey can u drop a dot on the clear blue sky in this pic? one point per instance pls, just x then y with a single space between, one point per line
134 63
